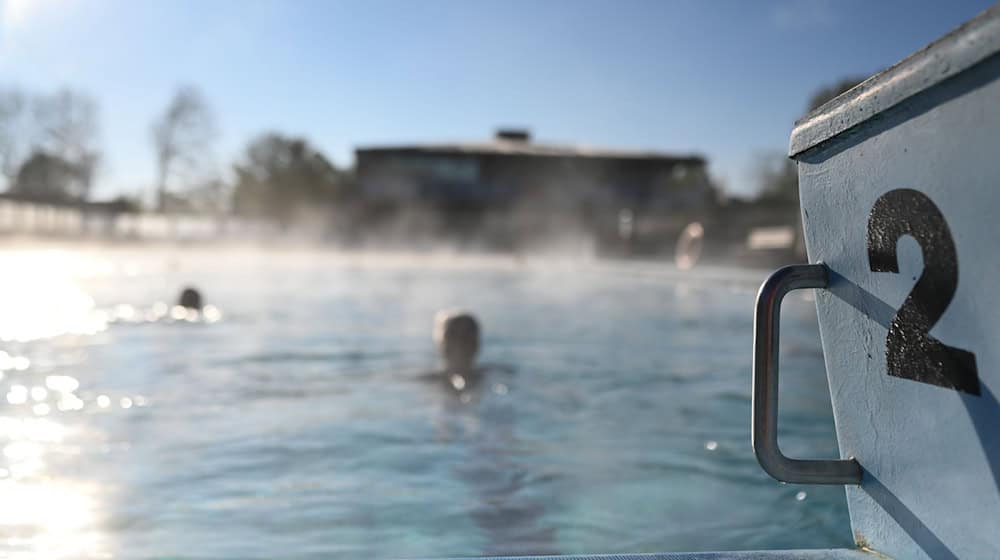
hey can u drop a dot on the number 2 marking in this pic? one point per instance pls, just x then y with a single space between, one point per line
911 352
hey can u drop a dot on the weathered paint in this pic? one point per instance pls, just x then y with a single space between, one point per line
914 372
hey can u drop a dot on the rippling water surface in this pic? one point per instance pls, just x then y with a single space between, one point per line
291 421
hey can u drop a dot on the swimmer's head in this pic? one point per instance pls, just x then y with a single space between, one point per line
191 299
456 335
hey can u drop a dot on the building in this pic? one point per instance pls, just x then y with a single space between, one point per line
512 187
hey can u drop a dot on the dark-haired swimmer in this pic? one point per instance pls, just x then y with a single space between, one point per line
191 307
191 299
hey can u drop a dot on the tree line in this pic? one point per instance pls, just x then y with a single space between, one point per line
50 152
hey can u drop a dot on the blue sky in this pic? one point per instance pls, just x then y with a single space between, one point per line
725 79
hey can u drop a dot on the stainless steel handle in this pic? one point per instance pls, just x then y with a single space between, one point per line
764 435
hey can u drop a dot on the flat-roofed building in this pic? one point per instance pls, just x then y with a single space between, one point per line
528 185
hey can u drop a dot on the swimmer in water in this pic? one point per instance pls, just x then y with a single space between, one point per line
191 299
457 335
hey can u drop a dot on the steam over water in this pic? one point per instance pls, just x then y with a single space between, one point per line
291 423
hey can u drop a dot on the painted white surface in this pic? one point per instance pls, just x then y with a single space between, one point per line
931 454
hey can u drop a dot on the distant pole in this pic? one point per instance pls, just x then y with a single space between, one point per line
161 205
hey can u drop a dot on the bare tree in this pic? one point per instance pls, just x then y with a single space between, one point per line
182 138
67 128
14 133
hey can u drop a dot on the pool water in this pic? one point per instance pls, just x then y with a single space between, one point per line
294 423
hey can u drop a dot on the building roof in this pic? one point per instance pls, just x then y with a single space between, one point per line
531 149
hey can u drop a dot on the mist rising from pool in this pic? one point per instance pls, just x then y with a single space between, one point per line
292 422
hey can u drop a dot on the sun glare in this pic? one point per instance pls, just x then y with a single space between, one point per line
49 519
41 299
42 516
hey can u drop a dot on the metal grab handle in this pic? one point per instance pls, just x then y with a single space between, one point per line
764 435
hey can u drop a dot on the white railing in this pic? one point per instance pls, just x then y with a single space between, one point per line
37 219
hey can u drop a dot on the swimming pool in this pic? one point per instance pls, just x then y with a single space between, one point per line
295 425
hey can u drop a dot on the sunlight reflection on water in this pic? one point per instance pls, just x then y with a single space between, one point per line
130 426
49 519
43 516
